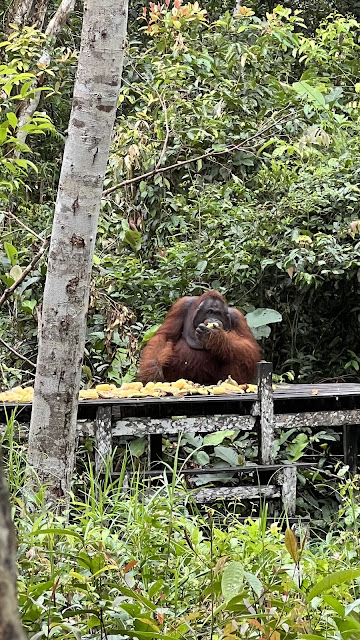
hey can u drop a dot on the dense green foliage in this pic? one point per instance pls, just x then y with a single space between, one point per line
265 116
154 567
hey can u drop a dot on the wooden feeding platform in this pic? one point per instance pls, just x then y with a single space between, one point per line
288 406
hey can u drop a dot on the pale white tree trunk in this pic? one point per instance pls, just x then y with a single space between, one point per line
10 625
63 326
28 107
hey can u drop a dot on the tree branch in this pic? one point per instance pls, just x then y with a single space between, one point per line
16 353
208 154
28 107
7 293
163 150
33 233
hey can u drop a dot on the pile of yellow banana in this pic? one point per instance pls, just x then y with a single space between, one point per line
138 390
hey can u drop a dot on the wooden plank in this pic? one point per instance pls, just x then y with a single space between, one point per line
318 419
266 413
229 493
199 424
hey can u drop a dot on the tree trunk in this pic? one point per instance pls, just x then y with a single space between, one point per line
10 625
52 435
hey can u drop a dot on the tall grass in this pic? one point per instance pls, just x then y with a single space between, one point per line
139 561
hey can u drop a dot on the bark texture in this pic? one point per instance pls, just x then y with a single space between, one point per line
52 434
10 625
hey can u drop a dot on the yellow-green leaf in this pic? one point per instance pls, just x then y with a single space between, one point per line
291 545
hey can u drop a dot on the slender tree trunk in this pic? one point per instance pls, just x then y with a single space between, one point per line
52 435
10 625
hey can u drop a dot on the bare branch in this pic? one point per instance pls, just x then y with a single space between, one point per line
58 20
16 353
7 293
28 107
208 154
163 150
33 233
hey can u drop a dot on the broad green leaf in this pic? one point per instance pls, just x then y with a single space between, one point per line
201 458
138 446
151 332
227 454
201 266
218 437
314 95
11 252
133 238
339 577
261 332
232 580
28 306
254 583
259 317
12 119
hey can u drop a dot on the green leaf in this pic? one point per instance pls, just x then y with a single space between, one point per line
232 580
133 238
201 458
311 637
261 332
11 252
259 317
12 119
28 306
314 95
151 332
227 454
201 266
137 447
339 577
291 544
254 583
218 437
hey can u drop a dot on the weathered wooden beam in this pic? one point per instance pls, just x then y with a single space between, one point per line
228 493
103 437
318 419
266 418
199 424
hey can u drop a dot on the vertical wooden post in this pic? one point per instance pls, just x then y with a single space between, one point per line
103 436
351 434
266 449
